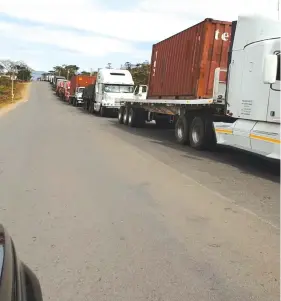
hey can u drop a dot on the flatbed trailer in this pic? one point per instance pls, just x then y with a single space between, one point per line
192 118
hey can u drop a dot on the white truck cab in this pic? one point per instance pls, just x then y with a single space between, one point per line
78 94
111 86
140 92
253 89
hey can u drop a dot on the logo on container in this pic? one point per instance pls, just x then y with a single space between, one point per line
224 36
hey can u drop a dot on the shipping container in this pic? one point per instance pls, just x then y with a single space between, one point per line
81 81
183 65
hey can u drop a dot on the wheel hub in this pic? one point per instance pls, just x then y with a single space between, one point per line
180 132
125 116
195 134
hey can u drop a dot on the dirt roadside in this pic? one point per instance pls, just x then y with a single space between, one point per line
21 95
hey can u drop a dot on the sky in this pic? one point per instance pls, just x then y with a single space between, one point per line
92 33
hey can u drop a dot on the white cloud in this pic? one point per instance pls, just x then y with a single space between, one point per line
88 45
144 21
149 20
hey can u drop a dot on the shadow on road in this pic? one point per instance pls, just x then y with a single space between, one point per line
247 163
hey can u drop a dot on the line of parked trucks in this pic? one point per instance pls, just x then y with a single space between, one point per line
216 82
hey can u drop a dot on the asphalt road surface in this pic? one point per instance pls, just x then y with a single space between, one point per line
104 212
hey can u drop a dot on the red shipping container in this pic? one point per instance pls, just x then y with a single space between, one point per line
183 65
81 81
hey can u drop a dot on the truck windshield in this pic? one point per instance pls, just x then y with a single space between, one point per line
118 88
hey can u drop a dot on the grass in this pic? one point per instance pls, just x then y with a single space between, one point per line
20 91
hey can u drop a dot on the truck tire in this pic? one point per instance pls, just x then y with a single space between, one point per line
132 117
103 111
125 115
210 141
182 130
84 105
141 117
120 115
200 134
91 108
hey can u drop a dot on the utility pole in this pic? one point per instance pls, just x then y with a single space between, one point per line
12 85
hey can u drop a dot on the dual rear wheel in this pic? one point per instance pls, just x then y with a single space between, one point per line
133 117
196 131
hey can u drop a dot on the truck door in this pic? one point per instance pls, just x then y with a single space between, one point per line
273 111
136 93
140 92
253 103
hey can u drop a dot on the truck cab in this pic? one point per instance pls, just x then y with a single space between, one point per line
112 85
253 88
140 92
78 94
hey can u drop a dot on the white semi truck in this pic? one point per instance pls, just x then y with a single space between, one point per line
111 86
244 111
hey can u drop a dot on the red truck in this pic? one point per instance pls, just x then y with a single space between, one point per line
77 85
60 88
65 91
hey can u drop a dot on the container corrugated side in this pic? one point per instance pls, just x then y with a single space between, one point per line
181 65
81 81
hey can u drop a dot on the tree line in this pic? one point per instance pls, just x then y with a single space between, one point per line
139 71
15 69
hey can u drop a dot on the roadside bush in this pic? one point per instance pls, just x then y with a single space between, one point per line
6 90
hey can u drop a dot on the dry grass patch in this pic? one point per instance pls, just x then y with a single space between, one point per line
21 90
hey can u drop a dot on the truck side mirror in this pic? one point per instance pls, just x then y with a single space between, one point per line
270 69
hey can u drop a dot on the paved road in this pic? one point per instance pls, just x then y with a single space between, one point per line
103 212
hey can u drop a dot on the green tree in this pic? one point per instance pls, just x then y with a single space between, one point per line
140 72
85 73
18 68
9 67
66 70
23 74
58 70
23 71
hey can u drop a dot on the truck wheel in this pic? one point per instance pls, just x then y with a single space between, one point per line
125 115
210 140
132 118
182 130
120 115
197 133
103 111
91 108
141 116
